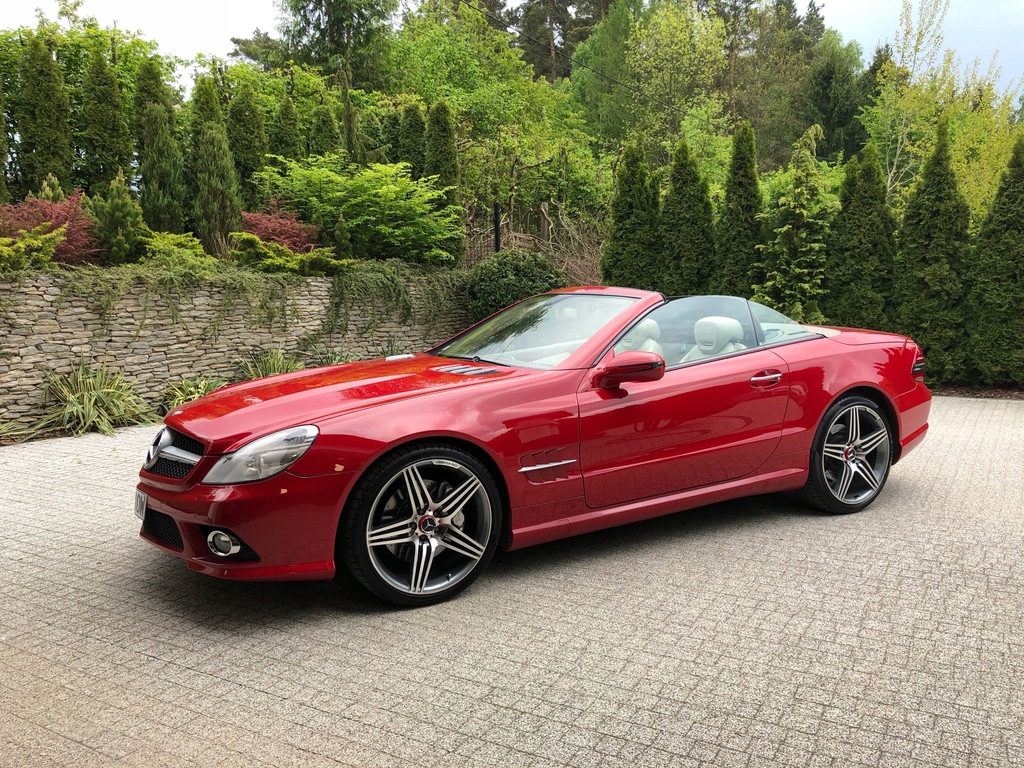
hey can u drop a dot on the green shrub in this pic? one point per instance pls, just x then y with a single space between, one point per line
32 250
507 277
182 254
321 356
188 389
87 400
258 365
249 251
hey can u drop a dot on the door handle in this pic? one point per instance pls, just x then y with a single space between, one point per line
766 379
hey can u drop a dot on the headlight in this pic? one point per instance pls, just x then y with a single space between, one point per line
262 458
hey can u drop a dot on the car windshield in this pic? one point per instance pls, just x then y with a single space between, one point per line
540 332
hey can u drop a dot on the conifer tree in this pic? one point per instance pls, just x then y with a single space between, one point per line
247 138
861 249
51 190
793 262
342 239
391 132
204 109
106 143
324 137
286 137
440 158
348 123
42 117
119 227
160 166
687 235
150 88
630 255
411 136
932 246
5 195
217 209
739 229
996 298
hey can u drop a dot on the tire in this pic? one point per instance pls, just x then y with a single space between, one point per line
421 524
850 458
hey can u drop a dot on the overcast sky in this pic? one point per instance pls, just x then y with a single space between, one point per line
976 29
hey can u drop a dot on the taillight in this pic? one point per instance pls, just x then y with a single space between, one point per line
918 368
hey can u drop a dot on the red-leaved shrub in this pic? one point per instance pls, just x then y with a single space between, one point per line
79 244
282 227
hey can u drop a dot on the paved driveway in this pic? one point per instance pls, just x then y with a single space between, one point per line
750 633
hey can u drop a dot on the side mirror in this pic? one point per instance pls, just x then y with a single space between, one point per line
630 366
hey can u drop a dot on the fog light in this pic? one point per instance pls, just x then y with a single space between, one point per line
223 544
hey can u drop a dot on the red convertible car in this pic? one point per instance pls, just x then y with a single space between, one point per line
568 412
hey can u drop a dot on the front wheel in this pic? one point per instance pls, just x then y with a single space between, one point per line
421 525
850 458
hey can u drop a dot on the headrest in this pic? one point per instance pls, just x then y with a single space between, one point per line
641 332
714 333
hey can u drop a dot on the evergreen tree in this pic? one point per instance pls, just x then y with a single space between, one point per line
607 106
440 158
412 134
831 94
5 195
204 109
51 190
794 261
391 133
630 254
324 137
687 235
119 227
739 232
285 134
544 26
349 123
342 239
217 208
150 88
160 166
42 119
932 246
861 249
813 23
996 298
247 139
106 143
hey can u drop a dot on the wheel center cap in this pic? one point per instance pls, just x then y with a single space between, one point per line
428 525
850 453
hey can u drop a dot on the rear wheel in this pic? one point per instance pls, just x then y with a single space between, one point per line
850 458
421 525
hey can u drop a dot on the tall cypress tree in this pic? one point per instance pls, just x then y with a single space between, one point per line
412 133
391 132
160 166
996 298
739 229
932 246
5 195
861 249
794 260
323 135
630 254
42 117
150 88
247 138
440 159
687 235
348 123
217 208
203 109
106 143
286 137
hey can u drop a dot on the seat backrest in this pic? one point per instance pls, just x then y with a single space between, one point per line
642 337
715 336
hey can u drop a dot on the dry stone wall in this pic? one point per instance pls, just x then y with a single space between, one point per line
43 327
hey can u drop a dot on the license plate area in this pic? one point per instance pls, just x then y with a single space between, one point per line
141 500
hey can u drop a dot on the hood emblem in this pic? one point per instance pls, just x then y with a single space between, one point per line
163 440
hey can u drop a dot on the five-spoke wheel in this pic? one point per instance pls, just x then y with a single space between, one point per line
850 458
421 525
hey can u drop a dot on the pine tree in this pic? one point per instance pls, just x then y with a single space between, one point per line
42 117
51 190
739 231
150 88
106 143
119 227
630 255
932 247
794 261
342 239
996 299
861 249
160 166
285 133
247 138
217 209
5 195
440 158
687 235
323 136
412 134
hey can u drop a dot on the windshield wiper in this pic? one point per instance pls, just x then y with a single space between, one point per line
476 359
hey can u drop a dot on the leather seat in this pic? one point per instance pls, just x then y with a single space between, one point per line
715 336
642 337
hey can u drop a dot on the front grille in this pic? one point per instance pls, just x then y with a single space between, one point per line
174 469
162 528
185 443
176 455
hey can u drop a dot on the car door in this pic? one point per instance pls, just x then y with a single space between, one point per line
704 422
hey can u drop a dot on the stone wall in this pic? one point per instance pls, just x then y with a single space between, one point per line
154 342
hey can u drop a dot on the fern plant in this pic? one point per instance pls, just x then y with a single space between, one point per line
188 389
87 400
267 363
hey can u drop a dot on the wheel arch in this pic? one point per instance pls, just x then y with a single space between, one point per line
881 399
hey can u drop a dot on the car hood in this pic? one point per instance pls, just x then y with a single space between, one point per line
229 417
